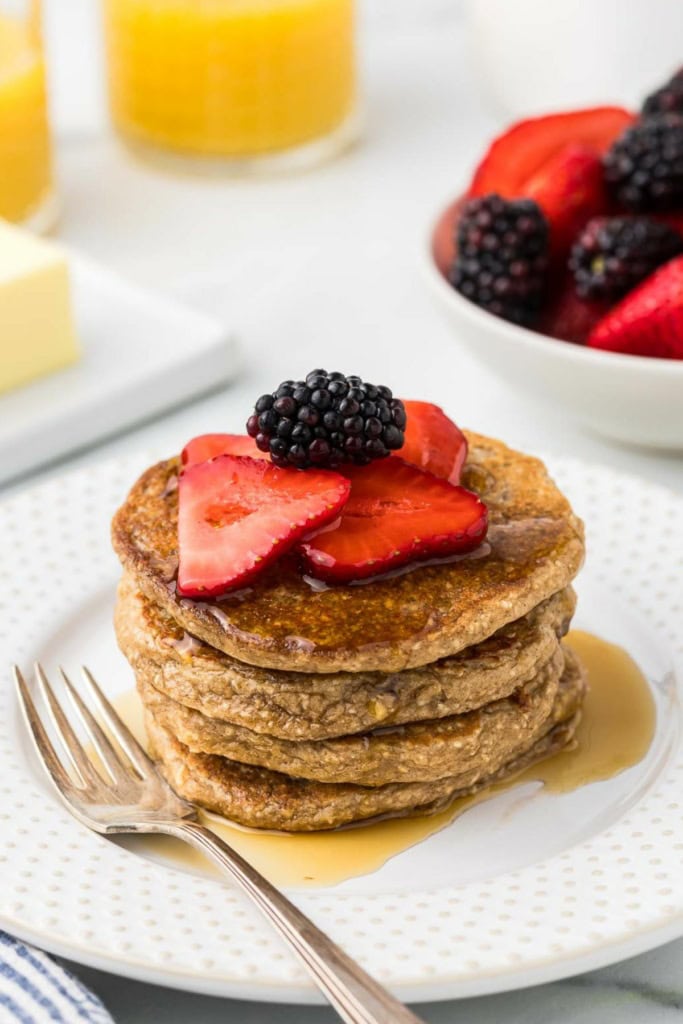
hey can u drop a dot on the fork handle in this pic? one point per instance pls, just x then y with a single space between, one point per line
357 998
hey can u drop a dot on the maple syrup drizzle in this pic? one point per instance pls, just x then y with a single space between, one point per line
615 733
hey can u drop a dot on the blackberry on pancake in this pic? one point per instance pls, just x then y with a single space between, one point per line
327 420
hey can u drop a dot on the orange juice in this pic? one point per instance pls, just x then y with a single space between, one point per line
25 159
230 78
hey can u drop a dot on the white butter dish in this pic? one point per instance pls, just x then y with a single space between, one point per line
142 354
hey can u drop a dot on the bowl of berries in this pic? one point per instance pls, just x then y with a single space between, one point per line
561 265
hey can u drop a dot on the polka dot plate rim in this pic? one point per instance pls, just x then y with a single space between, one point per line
603 882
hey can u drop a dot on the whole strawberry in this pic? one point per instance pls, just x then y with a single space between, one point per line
649 320
566 315
570 189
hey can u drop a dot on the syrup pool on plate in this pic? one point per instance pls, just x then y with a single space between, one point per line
615 733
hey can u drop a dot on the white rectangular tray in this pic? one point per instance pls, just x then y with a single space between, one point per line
142 354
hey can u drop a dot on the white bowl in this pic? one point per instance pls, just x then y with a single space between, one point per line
632 399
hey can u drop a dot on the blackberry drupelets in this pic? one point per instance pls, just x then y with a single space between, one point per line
501 259
668 99
644 167
614 254
327 420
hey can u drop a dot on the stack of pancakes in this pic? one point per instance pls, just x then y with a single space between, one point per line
291 705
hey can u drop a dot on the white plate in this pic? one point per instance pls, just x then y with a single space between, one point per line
505 897
142 353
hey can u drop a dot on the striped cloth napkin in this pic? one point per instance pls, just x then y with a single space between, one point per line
36 990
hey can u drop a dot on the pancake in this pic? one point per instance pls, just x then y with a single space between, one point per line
314 706
421 752
534 549
261 798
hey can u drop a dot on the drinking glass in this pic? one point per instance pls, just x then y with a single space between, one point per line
238 84
26 180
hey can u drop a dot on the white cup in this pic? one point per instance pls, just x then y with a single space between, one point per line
542 55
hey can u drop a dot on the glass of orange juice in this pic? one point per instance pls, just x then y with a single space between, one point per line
26 181
251 84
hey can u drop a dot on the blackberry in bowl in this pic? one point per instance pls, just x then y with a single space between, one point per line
502 256
614 254
644 166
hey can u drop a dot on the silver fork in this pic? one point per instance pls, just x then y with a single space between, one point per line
134 797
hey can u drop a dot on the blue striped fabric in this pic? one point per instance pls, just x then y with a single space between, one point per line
36 990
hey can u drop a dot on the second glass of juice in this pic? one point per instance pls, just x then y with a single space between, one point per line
26 182
251 84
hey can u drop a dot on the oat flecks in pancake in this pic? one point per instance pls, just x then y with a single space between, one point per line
535 548
262 798
313 706
421 752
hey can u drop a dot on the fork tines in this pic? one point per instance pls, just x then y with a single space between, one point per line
111 765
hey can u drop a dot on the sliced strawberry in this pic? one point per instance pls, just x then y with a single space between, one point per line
649 320
237 514
395 514
570 189
433 442
568 317
516 155
207 446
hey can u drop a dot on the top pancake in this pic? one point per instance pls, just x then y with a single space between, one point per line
534 548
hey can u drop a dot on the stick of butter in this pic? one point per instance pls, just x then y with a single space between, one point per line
37 333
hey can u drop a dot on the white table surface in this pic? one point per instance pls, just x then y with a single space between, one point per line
324 269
